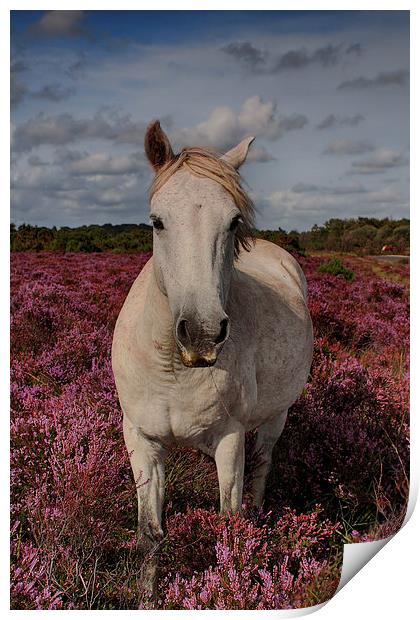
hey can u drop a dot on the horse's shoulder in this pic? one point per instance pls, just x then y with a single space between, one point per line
273 265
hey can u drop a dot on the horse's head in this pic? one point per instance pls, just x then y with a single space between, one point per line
201 218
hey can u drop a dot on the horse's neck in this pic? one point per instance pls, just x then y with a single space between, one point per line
158 323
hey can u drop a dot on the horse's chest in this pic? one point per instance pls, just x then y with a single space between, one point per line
195 409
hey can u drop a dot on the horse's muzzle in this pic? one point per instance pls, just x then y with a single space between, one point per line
200 343
192 359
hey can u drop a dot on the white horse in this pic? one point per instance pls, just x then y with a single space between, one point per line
214 338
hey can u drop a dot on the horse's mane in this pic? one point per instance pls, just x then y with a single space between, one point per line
206 163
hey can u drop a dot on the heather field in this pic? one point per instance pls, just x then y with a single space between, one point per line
340 469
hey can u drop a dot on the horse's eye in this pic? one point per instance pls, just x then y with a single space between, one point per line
157 224
235 223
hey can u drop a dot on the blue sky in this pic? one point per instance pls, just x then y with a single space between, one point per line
325 93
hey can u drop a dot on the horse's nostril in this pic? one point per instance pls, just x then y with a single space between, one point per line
191 334
223 331
182 331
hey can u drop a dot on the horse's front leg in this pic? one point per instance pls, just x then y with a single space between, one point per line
267 436
147 460
230 459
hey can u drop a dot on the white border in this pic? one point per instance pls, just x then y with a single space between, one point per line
387 586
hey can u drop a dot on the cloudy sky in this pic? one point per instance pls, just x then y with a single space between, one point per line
325 93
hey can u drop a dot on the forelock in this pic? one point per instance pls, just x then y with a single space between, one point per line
208 164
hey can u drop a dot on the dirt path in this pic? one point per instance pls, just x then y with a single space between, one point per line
392 258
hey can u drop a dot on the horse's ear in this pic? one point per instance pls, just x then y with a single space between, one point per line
157 146
236 156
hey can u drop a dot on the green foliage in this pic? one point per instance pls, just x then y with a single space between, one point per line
362 236
336 268
121 238
289 241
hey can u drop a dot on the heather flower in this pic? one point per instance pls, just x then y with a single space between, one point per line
340 470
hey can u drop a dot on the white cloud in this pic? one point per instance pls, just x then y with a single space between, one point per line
335 120
18 89
260 155
382 161
211 101
65 129
76 186
225 127
348 147
385 78
103 164
295 59
60 23
54 92
307 188
302 206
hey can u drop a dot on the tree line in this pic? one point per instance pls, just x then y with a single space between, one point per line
363 235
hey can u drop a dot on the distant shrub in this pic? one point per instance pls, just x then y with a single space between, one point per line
288 241
336 268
